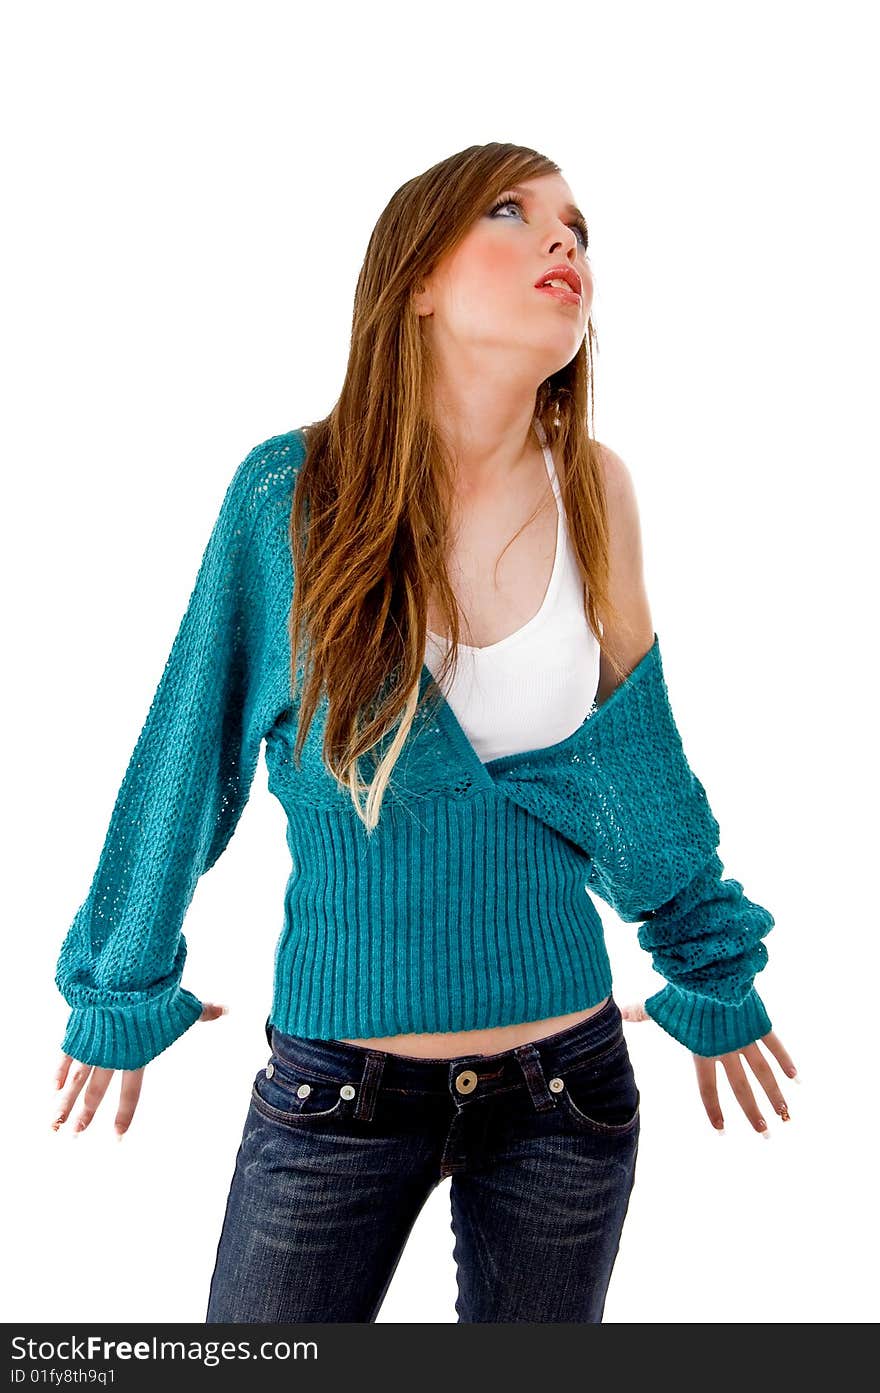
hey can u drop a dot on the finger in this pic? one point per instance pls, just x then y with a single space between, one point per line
132 1079
742 1092
707 1083
61 1072
778 1050
767 1079
97 1087
75 1083
635 1012
211 1012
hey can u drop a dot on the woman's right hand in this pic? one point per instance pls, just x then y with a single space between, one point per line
99 1081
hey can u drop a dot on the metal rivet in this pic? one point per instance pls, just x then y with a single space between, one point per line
270 1070
346 1091
466 1081
556 1084
304 1090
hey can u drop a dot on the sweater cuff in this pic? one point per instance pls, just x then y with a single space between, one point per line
706 1026
128 1037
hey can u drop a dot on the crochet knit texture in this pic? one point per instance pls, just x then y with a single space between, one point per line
467 907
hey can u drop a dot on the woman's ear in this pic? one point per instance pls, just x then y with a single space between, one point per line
421 298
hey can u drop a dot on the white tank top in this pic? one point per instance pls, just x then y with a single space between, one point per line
536 686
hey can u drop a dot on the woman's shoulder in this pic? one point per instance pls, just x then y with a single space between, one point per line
618 479
621 501
632 634
276 456
269 470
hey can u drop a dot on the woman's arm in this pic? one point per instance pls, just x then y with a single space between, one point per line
186 784
632 634
707 939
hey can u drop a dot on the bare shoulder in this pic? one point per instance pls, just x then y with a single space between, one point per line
632 634
624 523
619 487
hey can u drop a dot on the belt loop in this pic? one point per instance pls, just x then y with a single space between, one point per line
369 1086
268 1030
530 1062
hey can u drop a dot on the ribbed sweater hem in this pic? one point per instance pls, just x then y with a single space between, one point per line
128 1037
705 1026
327 1017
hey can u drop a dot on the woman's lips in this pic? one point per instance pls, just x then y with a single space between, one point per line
566 295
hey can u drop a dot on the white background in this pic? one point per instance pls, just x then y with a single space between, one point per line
192 188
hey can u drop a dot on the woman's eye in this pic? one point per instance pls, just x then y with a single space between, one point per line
513 203
508 203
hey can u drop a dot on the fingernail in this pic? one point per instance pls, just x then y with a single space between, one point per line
795 1078
224 1010
119 1136
719 1131
783 1113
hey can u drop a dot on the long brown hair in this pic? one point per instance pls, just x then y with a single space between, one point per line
370 517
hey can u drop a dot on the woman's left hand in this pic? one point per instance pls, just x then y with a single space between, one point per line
707 1080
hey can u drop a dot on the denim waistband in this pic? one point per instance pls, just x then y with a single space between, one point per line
494 1072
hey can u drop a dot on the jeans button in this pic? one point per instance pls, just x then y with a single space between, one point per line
270 1070
556 1084
466 1081
346 1091
304 1090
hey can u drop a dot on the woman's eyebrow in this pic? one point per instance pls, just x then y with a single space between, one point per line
570 208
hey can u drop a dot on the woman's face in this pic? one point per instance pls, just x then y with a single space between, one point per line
483 294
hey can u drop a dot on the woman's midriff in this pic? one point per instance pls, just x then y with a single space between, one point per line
490 1041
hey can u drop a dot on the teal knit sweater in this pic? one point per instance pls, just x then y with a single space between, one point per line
468 906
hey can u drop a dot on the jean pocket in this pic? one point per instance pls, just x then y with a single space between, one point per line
297 1097
600 1095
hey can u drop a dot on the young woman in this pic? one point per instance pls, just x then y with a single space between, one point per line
439 585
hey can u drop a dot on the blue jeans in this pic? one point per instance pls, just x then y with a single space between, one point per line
342 1145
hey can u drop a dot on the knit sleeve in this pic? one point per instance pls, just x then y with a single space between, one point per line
186 785
655 859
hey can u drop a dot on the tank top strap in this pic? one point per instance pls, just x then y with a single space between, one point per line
550 463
